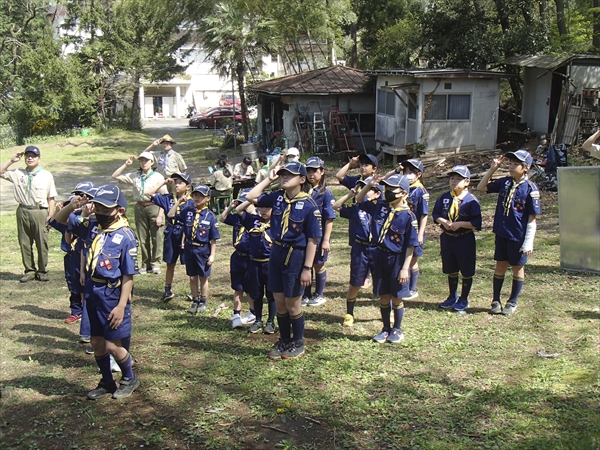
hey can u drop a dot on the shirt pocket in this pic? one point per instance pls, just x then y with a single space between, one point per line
109 263
519 204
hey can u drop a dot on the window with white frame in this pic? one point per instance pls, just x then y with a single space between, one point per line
386 102
449 107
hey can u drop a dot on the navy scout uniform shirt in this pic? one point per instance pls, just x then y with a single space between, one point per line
166 202
295 226
324 202
206 229
118 255
259 233
469 210
513 210
241 240
402 232
359 225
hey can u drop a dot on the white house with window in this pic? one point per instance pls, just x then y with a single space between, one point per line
444 108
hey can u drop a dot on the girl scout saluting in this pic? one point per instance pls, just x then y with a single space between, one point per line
111 264
295 230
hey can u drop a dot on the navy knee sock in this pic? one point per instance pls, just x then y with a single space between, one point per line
307 291
385 316
298 326
258 309
321 279
517 285
414 277
453 285
126 342
467 282
272 309
285 323
498 282
125 365
350 302
398 315
103 363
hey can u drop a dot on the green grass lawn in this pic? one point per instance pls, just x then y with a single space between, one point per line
456 382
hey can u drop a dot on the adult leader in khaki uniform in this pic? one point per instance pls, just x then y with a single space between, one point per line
149 218
34 190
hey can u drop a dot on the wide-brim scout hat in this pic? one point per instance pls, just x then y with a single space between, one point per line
463 171
364 182
521 155
415 163
398 181
202 189
110 196
182 176
83 188
366 158
315 162
167 138
295 168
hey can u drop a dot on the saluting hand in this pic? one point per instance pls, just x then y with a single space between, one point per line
156 142
129 161
273 173
497 162
354 162
17 157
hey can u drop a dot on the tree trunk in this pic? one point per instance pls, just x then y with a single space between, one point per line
135 120
240 72
560 17
354 54
596 29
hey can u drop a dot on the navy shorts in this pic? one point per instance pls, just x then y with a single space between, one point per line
196 257
74 271
238 271
285 267
320 259
507 250
172 250
258 276
385 276
458 254
100 300
361 263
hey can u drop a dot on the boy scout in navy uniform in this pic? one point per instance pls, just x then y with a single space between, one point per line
111 265
394 229
201 232
368 166
458 212
514 223
34 190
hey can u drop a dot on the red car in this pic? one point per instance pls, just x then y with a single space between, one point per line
229 100
213 118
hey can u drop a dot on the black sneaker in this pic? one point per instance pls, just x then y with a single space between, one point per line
126 387
294 350
496 308
278 350
167 296
101 391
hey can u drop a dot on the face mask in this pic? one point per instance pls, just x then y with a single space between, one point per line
390 196
292 159
105 220
411 177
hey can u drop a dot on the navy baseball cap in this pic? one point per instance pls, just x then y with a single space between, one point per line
203 189
315 162
110 196
414 163
243 193
463 171
32 149
183 176
396 181
295 168
83 187
366 158
366 180
521 155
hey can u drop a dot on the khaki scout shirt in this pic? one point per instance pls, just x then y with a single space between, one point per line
142 184
35 194
170 163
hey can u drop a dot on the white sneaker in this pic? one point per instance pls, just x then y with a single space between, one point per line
248 319
305 301
236 321
317 300
156 270
411 295
114 367
142 271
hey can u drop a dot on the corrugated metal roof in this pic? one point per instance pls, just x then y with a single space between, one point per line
329 80
549 62
440 73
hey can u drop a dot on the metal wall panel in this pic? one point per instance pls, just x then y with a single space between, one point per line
579 218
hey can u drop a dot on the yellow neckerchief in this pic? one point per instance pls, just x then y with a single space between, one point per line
73 243
98 242
197 221
288 210
239 236
416 183
453 213
31 175
262 228
144 178
388 220
509 197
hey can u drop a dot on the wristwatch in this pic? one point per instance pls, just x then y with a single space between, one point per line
306 268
